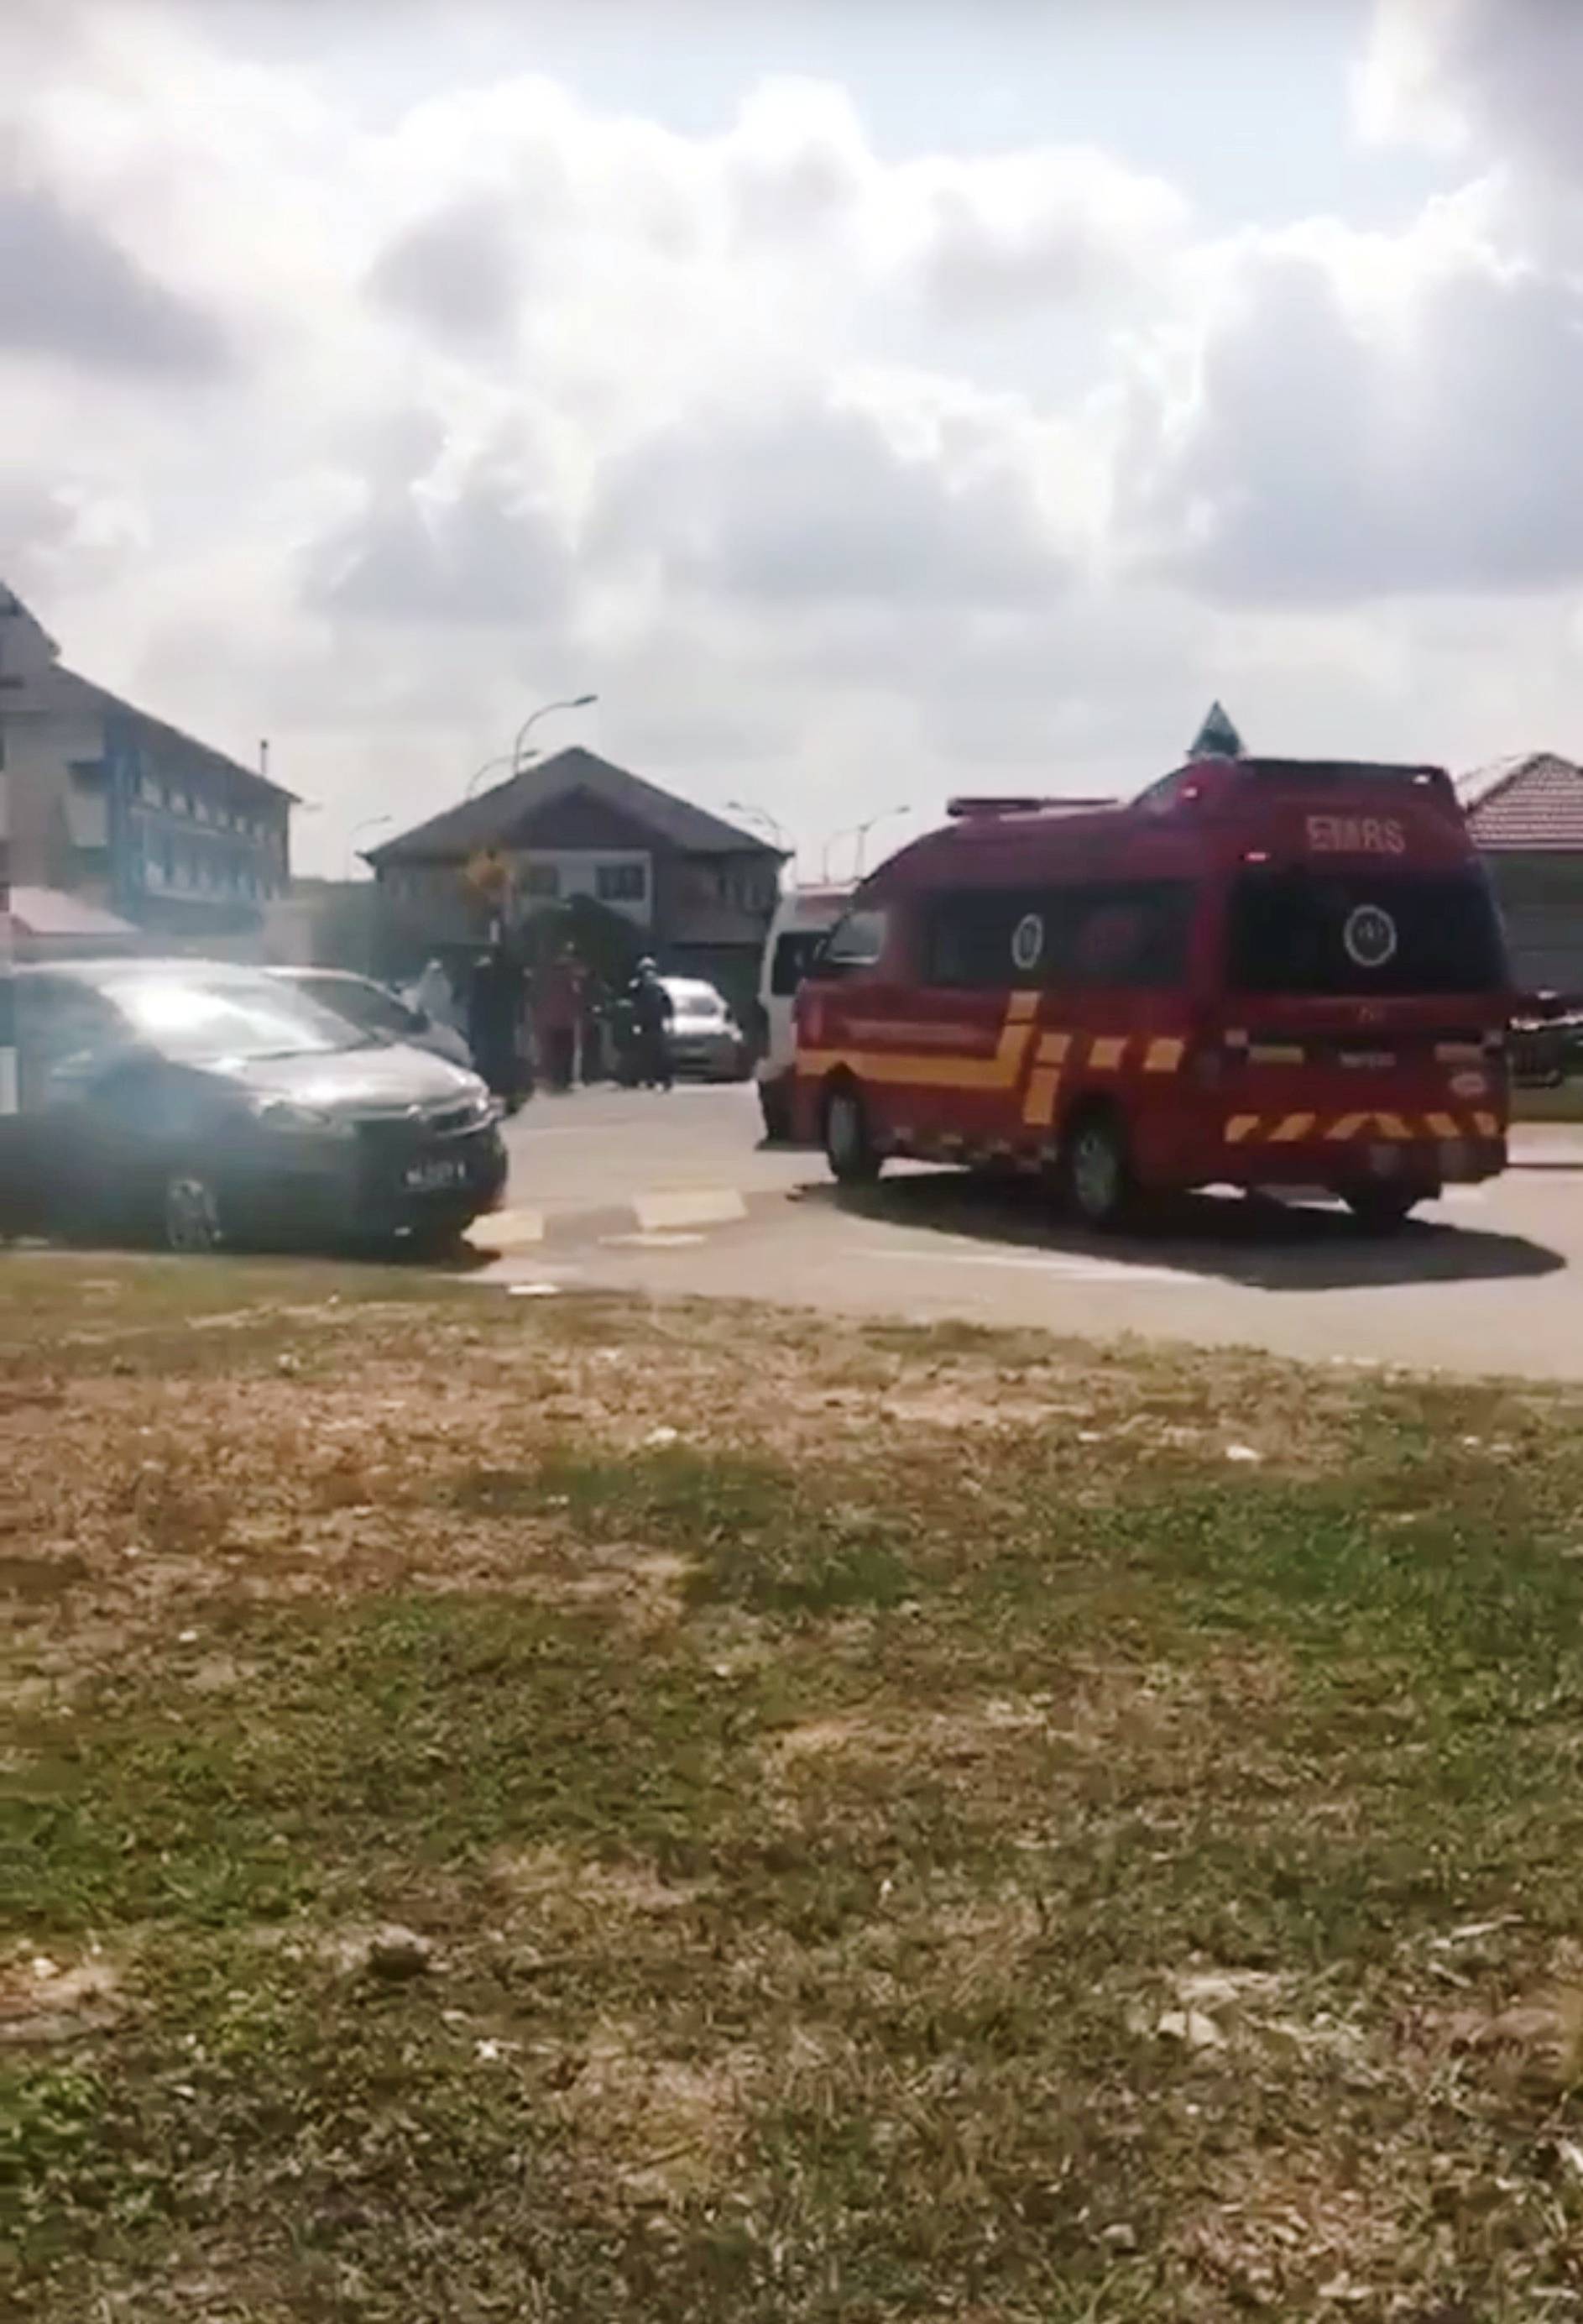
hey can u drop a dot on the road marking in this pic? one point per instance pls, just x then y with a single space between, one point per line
689 1206
656 1241
1066 1269
502 1231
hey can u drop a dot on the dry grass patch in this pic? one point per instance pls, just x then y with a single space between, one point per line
897 1823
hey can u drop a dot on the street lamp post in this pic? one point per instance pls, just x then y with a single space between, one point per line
777 829
501 759
860 832
369 823
574 701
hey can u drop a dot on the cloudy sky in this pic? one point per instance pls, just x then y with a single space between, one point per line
866 398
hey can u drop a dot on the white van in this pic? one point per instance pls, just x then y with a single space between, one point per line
803 917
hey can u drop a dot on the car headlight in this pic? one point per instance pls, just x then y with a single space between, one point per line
294 1120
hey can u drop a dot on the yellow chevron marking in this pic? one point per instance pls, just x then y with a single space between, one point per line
1039 1106
1020 1007
1486 1125
1348 1127
1052 1048
1392 1126
1164 1057
1293 1129
1105 1054
1443 1125
1240 1129
1275 1053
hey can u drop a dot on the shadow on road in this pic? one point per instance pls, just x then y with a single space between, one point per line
1265 1245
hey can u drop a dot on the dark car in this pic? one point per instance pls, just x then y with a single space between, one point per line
205 1104
1546 1041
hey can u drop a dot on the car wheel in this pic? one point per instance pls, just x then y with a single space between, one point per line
849 1147
189 1215
1097 1170
1382 1210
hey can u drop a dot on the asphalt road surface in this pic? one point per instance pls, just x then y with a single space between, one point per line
673 1193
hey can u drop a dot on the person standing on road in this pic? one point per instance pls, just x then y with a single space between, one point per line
494 1011
652 1010
557 1006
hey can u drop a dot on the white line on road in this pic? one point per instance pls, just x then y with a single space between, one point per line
656 1241
689 1206
1067 1270
512 1229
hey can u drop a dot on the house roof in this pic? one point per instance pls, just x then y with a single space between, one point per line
117 705
490 819
1529 805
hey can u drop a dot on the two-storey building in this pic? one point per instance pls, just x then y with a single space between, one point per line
695 891
111 804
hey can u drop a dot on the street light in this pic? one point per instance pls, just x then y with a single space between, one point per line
762 815
369 823
576 701
860 832
501 759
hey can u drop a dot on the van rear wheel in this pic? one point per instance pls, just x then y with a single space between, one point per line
1096 1171
1382 1210
849 1145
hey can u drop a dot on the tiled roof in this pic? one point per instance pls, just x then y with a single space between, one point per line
490 819
1532 805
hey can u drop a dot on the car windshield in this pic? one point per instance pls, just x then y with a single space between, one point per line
191 1019
696 1000
360 1004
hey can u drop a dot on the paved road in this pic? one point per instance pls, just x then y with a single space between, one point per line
673 1193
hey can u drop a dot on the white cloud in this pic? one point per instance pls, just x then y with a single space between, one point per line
824 462
1490 79
1355 416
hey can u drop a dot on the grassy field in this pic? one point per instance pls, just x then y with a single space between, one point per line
893 1824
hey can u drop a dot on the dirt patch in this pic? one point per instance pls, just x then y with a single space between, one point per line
45 2002
553 1881
672 2127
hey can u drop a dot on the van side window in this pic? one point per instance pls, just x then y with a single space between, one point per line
855 942
794 954
1128 934
1122 933
985 938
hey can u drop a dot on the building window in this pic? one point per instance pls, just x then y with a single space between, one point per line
621 883
541 880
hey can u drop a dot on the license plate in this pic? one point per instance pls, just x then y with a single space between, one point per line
434 1176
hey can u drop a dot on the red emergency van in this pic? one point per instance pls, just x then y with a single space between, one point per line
1260 972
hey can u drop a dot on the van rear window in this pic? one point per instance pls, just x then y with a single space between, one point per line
1298 930
1120 932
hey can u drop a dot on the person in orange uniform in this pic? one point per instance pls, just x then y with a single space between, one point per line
558 1007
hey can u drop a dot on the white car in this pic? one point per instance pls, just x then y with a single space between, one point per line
803 918
703 1037
375 1008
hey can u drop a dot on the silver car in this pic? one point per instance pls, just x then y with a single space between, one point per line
702 1035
